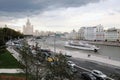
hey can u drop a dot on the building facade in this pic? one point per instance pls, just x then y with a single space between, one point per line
36 33
100 34
112 34
92 33
81 33
28 28
72 35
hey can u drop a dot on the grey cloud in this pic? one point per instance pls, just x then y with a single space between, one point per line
15 5
31 5
23 7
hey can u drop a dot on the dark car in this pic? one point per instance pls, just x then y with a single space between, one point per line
88 76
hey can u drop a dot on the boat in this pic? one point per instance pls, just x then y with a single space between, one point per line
81 45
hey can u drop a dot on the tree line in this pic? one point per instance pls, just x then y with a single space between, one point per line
7 34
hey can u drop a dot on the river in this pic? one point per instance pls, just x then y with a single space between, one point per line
105 51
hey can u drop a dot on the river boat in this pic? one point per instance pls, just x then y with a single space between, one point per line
81 45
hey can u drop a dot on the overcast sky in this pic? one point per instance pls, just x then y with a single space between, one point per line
60 15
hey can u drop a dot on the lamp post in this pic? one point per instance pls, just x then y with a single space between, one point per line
54 43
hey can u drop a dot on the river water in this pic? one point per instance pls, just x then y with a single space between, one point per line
111 52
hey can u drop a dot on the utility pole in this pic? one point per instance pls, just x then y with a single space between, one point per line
55 43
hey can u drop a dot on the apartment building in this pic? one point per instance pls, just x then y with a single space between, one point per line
112 34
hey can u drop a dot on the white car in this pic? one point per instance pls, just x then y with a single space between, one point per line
70 63
72 66
99 74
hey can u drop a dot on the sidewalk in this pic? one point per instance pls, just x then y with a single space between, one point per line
14 53
11 71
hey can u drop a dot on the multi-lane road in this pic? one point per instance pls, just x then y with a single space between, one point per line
85 65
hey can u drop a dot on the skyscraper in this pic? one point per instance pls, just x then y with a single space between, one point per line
28 28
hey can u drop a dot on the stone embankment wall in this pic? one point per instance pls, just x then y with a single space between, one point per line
105 43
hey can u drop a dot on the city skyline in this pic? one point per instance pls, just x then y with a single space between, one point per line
64 15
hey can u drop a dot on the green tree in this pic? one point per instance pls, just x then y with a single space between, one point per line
59 69
7 34
55 69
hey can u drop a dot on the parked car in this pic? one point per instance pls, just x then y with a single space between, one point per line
99 75
88 76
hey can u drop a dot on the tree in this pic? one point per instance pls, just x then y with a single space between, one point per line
59 69
6 34
115 76
55 69
32 68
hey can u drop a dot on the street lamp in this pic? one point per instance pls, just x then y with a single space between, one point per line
54 43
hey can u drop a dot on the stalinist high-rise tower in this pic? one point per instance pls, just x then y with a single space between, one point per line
28 28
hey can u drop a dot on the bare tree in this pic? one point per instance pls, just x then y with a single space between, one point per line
38 67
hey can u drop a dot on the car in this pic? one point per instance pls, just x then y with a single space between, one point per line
74 70
70 63
68 55
72 66
98 74
88 76
37 63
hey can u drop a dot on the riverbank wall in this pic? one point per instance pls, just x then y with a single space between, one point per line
117 44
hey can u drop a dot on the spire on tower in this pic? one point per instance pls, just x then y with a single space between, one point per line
28 22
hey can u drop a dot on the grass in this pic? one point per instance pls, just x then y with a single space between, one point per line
8 61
